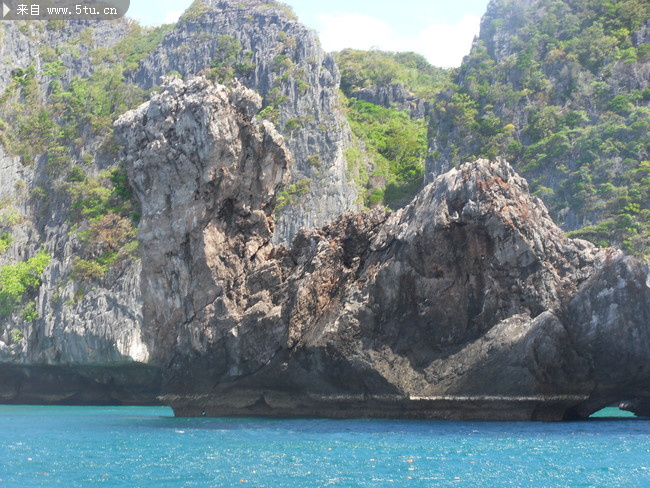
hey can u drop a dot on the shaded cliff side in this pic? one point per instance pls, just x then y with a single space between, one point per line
468 303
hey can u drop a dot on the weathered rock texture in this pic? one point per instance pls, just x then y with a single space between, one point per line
292 73
468 303
102 324
99 321
206 176
21 42
395 96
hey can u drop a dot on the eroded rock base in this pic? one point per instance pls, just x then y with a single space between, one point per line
96 385
282 405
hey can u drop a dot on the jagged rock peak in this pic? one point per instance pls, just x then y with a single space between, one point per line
205 125
240 4
279 9
263 45
206 172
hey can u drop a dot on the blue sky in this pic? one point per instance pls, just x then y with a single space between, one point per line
441 30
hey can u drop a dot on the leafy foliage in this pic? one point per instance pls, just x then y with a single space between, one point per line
94 198
16 336
94 102
230 60
5 242
87 270
29 313
558 98
363 69
292 194
17 280
388 154
9 216
193 12
106 216
397 146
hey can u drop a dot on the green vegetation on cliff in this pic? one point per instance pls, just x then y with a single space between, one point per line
230 60
396 145
556 87
388 158
18 280
66 125
367 69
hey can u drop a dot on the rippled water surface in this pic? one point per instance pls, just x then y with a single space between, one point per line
147 447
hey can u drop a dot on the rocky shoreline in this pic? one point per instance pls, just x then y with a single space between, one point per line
288 405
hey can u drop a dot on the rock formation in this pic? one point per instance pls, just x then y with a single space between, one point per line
638 406
98 326
99 320
468 303
206 176
396 96
282 60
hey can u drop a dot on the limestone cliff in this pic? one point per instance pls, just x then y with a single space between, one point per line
62 85
264 46
69 322
561 89
207 177
468 303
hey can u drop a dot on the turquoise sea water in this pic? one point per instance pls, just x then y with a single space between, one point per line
146 447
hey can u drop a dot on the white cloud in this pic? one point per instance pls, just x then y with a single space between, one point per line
355 31
172 16
445 45
442 44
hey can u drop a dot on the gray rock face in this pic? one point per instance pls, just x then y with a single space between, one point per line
290 70
206 175
102 326
610 324
21 48
101 322
468 303
394 96
98 326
